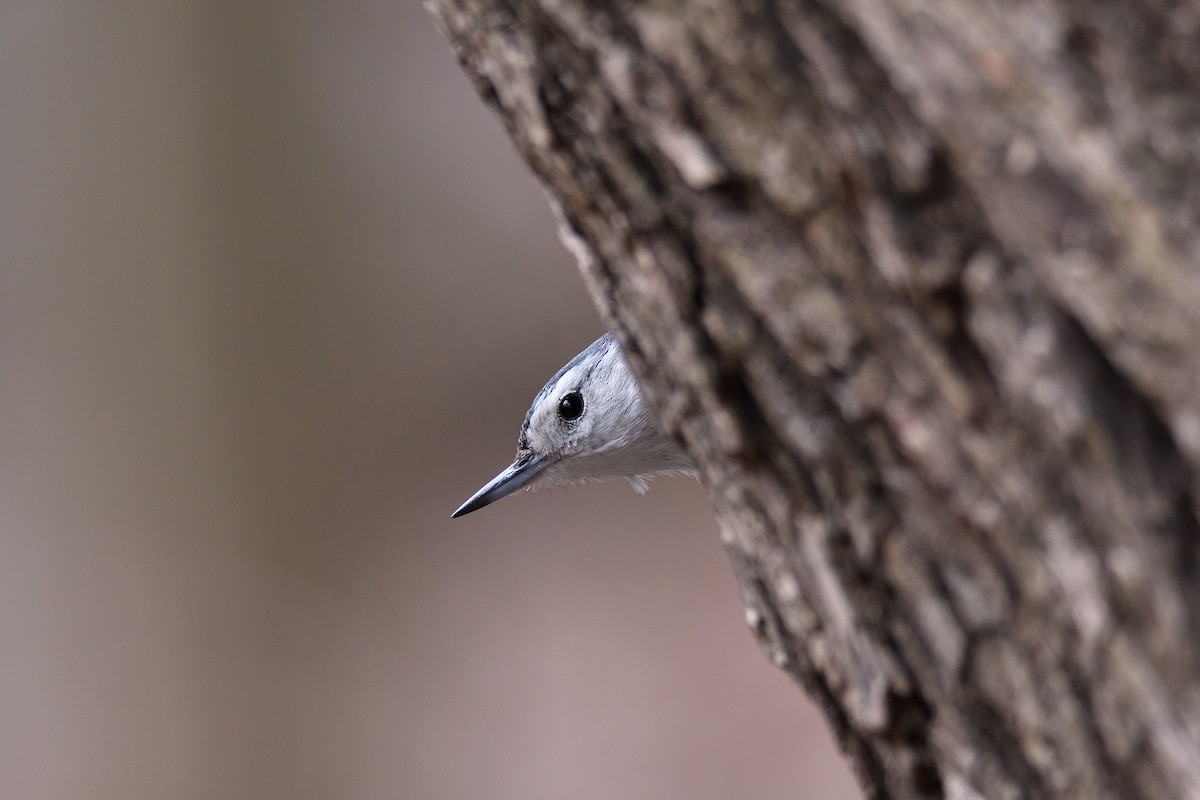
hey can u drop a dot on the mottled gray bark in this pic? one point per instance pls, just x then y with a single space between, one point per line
918 284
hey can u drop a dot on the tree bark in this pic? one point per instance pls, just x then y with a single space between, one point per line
917 285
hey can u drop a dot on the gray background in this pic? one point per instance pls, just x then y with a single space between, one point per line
275 294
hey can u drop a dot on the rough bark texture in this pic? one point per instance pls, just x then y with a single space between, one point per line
918 284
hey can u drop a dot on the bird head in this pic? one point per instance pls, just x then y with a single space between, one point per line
589 422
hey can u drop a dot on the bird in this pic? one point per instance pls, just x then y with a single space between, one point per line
589 422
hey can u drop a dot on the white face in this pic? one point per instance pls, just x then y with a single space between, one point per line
578 412
589 422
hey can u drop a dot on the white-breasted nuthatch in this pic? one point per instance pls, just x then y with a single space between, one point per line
588 422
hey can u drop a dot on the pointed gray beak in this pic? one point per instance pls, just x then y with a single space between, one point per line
516 475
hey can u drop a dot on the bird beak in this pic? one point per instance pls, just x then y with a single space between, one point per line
516 475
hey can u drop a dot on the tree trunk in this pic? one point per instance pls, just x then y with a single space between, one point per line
917 285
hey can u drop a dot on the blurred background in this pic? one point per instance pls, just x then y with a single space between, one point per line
274 295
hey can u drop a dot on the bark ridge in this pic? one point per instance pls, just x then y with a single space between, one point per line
917 285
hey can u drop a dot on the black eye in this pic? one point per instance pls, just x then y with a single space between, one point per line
571 406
